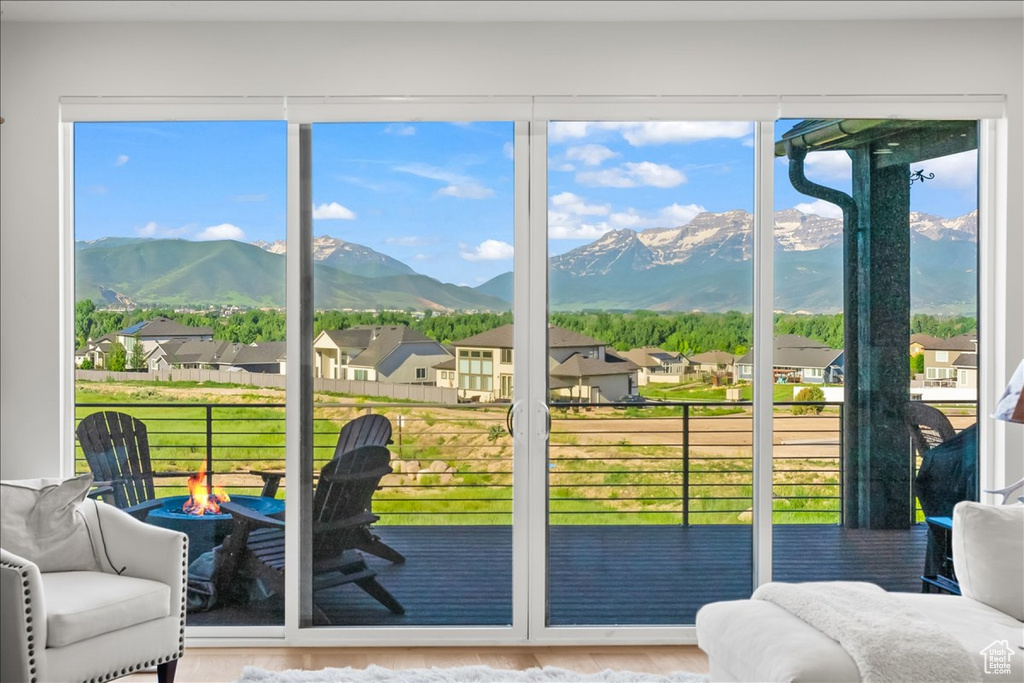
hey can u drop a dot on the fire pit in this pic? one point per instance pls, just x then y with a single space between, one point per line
209 529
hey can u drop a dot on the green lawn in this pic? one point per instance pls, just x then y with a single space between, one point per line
609 483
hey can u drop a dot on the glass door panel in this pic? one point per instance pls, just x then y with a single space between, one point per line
179 336
412 281
650 458
876 345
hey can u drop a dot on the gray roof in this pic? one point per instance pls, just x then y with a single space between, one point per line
794 351
713 358
578 365
651 356
165 327
446 365
218 352
501 338
963 342
387 340
356 337
966 360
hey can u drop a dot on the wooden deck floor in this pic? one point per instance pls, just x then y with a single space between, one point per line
599 575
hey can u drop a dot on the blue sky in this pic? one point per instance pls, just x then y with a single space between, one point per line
439 196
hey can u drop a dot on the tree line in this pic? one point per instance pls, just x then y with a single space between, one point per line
687 333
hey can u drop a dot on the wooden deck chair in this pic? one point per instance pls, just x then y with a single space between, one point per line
341 504
116 446
365 430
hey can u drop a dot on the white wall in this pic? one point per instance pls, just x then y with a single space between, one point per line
39 63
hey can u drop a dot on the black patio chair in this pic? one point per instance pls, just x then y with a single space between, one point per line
116 447
341 518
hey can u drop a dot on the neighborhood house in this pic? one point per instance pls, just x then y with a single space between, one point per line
798 359
396 354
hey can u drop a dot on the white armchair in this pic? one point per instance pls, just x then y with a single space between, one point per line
99 625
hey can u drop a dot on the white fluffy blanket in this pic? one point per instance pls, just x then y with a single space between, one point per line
887 640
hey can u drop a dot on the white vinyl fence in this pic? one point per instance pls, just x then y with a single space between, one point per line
410 392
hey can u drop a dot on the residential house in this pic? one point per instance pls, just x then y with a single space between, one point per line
798 359
149 333
657 365
716 366
395 353
213 354
942 355
581 367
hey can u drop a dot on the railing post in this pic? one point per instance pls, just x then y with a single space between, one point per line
842 461
686 464
209 449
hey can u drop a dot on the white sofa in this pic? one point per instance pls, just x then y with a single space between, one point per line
757 640
93 626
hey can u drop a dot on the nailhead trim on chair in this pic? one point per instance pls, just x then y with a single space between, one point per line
27 596
181 631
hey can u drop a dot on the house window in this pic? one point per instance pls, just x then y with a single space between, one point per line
812 373
942 356
421 373
360 375
476 370
961 377
506 356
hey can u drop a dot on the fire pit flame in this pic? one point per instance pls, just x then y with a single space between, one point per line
200 500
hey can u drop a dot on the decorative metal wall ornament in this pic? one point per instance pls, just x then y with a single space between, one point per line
919 174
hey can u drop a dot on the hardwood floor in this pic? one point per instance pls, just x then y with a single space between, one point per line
223 665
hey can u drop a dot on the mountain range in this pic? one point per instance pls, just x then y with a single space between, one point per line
703 265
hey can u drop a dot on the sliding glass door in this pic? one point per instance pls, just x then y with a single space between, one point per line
650 460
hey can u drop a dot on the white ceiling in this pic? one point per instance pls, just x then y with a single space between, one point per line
502 10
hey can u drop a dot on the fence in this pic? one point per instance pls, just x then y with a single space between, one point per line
407 392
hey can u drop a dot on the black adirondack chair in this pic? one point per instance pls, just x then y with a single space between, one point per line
341 516
365 430
116 446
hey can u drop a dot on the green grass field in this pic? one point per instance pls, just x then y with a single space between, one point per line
453 465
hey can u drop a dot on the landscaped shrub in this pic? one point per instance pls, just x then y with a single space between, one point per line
809 394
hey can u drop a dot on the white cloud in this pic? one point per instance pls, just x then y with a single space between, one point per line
153 229
246 198
121 160
333 211
820 207
567 130
489 250
591 155
828 165
633 175
468 191
958 171
400 129
224 231
681 132
459 185
509 150
565 168
670 216
574 204
561 226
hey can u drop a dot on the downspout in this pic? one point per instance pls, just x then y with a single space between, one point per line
851 483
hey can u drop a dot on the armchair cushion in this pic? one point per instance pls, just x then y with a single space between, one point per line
81 605
40 520
988 555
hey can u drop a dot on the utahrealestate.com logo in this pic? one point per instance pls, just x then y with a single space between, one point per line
997 657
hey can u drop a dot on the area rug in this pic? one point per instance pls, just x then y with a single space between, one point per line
463 674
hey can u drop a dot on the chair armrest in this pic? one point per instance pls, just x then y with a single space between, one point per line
145 551
271 481
22 617
101 491
141 510
362 519
241 513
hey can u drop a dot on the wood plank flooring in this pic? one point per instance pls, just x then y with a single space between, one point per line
224 665
599 575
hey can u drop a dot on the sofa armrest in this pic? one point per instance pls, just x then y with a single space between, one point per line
22 618
144 551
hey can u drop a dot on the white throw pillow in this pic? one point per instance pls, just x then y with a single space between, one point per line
40 521
988 555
